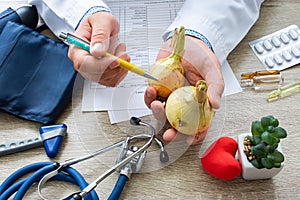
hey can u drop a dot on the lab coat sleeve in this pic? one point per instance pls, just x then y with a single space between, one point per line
223 22
65 15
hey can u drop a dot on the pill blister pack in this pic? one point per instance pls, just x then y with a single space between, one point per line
279 50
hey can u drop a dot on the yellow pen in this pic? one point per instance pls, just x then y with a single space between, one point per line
72 39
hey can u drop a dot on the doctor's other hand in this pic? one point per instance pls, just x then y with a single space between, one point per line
199 62
101 30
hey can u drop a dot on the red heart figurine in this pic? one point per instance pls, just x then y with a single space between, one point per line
219 159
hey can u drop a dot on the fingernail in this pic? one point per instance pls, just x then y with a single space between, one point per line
215 101
154 110
98 47
149 95
114 64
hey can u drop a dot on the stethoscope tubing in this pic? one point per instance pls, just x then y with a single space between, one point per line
32 179
9 187
66 173
119 186
19 173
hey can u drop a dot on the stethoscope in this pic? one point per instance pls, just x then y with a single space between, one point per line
129 160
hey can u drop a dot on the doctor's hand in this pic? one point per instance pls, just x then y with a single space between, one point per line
101 30
199 62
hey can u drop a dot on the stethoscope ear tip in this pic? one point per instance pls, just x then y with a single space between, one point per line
164 157
135 121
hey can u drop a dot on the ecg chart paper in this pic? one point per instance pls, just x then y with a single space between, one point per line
142 25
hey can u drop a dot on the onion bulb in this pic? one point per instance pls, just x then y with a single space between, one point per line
169 71
188 109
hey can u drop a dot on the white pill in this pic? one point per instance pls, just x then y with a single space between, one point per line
259 49
295 51
267 45
278 59
293 34
285 39
276 42
269 62
286 55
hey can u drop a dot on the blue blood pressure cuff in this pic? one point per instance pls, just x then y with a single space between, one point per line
8 15
36 75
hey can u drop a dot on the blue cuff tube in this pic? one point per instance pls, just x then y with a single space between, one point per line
119 186
11 190
80 181
10 186
32 179
15 187
19 173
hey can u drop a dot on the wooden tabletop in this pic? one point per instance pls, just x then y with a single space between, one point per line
183 177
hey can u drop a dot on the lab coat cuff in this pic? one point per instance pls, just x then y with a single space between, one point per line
93 10
192 33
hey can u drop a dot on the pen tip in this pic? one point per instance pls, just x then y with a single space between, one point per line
147 75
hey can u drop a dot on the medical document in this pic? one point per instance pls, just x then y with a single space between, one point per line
142 25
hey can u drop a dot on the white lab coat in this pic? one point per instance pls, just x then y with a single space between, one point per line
223 22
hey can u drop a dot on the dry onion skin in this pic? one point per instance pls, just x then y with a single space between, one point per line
169 70
188 109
